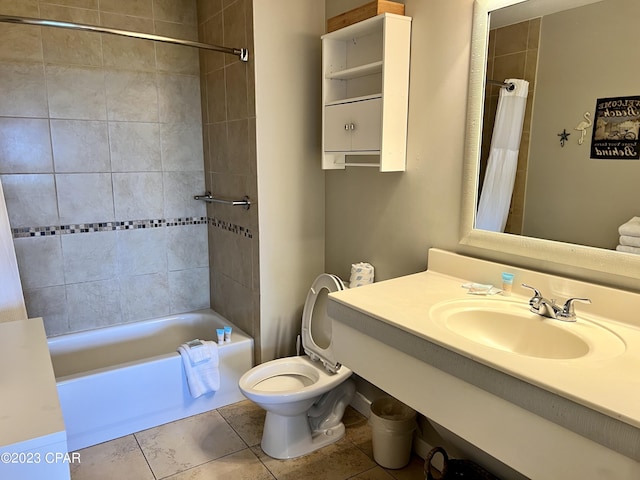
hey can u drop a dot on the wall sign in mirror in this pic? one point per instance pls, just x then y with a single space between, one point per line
572 53
615 135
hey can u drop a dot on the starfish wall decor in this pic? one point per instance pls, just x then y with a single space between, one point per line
564 136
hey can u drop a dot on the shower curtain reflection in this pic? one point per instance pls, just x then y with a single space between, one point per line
495 198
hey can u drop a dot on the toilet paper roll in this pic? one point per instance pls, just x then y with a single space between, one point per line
361 274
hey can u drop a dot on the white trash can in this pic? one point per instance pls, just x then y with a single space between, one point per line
392 424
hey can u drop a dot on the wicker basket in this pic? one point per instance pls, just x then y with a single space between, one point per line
454 469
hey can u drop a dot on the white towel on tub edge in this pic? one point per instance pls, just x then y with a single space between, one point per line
203 375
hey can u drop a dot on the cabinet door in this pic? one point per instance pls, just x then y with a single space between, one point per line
337 132
353 126
366 134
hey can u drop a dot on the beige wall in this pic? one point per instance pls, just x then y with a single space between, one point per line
290 180
585 55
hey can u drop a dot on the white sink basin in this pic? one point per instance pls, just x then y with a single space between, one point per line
509 326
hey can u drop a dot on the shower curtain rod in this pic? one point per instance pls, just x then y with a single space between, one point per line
508 85
242 53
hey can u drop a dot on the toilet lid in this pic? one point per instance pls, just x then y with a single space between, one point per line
316 324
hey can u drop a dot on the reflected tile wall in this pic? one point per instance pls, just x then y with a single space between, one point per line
101 153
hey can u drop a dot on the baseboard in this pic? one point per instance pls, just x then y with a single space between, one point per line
361 404
421 447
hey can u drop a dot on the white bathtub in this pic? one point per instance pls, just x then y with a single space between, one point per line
118 380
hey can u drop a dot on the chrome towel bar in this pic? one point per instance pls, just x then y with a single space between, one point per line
207 197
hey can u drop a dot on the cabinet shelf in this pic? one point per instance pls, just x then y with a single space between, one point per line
355 72
354 99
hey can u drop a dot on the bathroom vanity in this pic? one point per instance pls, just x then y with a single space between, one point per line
548 398
33 441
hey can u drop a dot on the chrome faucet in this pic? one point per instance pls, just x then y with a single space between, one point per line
548 308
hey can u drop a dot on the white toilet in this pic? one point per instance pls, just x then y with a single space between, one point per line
304 396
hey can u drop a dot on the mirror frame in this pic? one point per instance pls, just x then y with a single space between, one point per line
597 259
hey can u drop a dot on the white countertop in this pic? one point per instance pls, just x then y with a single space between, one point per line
30 414
608 385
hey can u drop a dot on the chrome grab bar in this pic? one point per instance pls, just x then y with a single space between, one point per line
207 197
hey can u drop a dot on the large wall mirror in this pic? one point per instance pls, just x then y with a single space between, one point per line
567 201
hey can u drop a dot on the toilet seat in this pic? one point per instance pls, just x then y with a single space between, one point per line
289 379
316 324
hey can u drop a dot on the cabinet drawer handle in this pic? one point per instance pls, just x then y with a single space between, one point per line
352 126
346 126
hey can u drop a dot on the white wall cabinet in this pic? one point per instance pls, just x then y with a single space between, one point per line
365 93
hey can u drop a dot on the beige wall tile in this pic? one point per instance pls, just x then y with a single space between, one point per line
136 8
23 90
76 92
138 195
177 11
232 256
68 14
531 67
71 48
219 145
235 34
72 3
216 97
533 40
40 261
231 299
31 200
20 42
80 146
177 30
236 88
512 39
85 313
26 8
181 147
132 96
135 147
50 303
208 8
179 98
25 146
85 197
212 33
238 150
128 53
510 66
125 22
177 59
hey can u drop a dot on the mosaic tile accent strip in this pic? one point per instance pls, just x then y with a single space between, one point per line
230 227
126 225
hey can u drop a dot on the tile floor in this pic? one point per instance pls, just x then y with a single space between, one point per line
225 443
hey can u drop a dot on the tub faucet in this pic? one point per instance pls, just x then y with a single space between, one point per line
550 309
